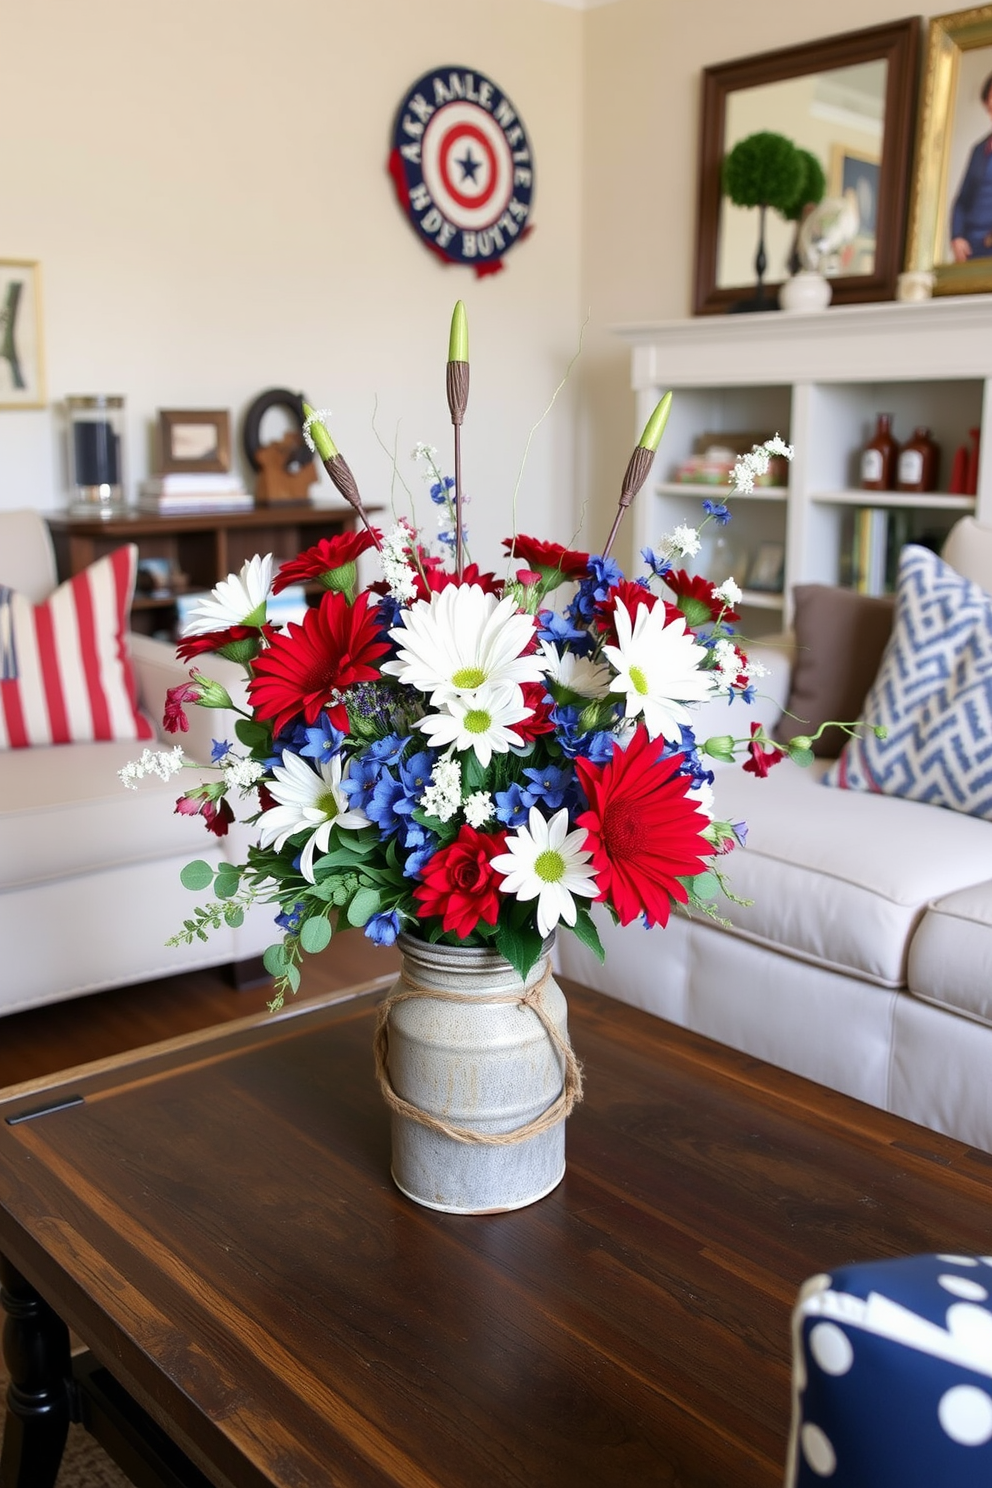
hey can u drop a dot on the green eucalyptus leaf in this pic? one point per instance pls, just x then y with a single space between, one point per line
363 906
196 875
234 915
275 959
315 934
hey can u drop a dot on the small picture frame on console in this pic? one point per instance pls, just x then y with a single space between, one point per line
194 440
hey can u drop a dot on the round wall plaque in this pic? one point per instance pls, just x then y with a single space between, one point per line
463 167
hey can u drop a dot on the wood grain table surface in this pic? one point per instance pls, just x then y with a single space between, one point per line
216 1220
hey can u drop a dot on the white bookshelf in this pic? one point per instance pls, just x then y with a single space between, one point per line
818 380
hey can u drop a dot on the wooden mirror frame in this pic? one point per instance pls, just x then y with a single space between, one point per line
897 43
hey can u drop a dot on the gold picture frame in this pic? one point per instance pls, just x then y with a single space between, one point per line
197 439
955 123
22 372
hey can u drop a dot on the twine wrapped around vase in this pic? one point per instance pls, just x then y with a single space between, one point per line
560 1108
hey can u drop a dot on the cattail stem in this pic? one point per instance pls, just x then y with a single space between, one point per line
338 469
638 468
456 387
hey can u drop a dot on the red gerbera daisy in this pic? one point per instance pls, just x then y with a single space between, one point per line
696 598
459 882
547 558
301 670
324 559
643 833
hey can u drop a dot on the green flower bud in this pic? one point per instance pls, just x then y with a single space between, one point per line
458 339
720 746
800 743
212 694
324 444
655 426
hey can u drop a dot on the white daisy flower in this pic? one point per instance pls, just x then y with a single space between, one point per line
482 721
546 862
478 808
309 800
461 640
237 600
658 667
579 674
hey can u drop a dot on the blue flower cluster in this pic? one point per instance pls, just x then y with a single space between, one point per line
387 788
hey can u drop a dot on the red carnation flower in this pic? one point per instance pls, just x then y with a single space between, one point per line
174 718
539 720
547 557
763 753
302 670
632 595
438 578
692 592
643 833
459 882
216 814
238 643
324 558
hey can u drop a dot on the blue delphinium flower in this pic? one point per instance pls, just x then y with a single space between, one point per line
293 738
219 749
323 740
388 750
717 511
659 565
420 857
550 786
511 807
382 929
603 574
739 830
289 920
440 489
558 630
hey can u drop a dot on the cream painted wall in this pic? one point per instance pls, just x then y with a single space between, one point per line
643 64
204 185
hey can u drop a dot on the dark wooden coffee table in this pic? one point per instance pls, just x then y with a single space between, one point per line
215 1220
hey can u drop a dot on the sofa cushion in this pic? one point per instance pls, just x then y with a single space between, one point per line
64 811
839 878
840 639
933 694
65 669
950 960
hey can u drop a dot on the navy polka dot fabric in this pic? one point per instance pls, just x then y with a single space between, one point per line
892 1375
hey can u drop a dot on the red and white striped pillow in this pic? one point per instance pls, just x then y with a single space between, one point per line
65 667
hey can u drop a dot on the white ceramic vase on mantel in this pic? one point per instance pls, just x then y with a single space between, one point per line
470 1056
805 292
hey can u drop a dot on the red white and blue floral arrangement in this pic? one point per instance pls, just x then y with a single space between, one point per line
449 754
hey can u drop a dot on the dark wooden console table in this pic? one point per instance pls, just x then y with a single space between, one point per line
215 1219
201 547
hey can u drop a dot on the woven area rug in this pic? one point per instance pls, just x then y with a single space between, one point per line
85 1464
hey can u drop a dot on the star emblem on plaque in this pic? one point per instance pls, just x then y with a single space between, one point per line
463 168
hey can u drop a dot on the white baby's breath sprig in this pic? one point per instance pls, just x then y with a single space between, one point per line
478 808
243 774
397 570
682 543
443 797
749 468
729 592
315 416
161 762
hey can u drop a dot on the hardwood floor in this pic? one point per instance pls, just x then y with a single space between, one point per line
47 1039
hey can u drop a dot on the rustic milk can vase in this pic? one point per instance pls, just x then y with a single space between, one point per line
475 1065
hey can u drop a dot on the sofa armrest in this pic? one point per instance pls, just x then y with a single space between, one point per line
157 668
775 654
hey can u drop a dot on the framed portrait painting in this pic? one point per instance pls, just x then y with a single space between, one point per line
22 382
950 230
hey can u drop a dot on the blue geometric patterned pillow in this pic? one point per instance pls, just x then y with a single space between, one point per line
933 693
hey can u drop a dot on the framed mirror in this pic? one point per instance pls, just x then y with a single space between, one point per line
850 101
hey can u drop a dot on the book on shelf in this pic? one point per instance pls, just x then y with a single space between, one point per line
178 482
180 502
879 536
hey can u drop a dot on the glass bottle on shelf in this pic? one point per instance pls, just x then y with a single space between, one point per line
918 462
96 450
878 458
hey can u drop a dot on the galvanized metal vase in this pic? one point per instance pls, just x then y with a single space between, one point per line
477 1069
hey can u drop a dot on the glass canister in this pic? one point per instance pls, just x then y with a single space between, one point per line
96 454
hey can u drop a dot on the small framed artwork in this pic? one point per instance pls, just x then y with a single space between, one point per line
22 382
195 439
767 568
950 224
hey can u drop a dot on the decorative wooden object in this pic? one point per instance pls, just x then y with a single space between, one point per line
281 477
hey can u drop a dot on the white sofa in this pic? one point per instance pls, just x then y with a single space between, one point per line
865 960
89 871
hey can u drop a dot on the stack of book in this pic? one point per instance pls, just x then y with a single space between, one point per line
193 491
879 537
